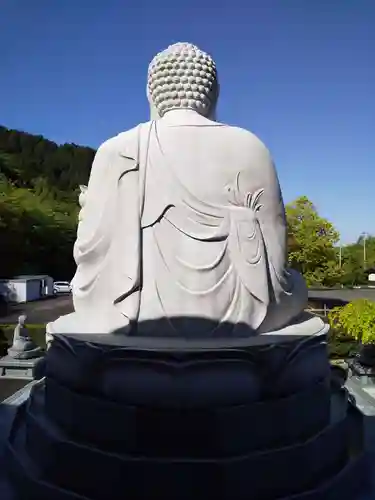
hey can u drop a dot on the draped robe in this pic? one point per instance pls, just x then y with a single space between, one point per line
174 228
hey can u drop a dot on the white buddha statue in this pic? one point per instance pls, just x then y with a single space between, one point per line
183 219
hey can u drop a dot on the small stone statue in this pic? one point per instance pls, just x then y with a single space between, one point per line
23 346
82 200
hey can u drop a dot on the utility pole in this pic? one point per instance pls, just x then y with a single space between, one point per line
365 235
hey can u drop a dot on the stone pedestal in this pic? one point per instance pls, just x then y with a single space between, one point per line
11 367
185 422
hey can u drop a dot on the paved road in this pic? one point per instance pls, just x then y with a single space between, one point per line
341 294
10 386
41 311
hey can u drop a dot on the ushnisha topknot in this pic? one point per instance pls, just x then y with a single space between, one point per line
183 76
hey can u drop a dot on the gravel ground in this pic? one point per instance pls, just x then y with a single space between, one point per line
40 311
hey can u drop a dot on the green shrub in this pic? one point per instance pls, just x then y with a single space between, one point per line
340 347
354 321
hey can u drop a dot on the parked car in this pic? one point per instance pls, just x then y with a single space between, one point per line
62 287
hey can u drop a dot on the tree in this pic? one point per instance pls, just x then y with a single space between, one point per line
27 158
38 203
311 242
357 259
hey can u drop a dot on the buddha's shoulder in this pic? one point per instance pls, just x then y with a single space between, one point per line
244 138
245 147
121 141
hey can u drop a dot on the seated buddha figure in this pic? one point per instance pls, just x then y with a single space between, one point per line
183 218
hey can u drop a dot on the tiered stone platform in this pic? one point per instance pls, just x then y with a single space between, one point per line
175 420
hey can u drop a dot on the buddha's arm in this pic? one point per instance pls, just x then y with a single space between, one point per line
289 288
258 232
260 177
94 227
283 293
108 233
97 223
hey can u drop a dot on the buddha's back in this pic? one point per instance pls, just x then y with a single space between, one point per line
213 243
207 155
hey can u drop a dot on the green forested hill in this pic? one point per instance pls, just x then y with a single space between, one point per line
39 186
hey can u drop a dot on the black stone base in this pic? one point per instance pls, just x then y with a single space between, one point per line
42 461
109 423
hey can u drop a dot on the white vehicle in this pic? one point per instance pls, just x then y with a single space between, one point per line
62 287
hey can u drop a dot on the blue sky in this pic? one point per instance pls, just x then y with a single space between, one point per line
298 73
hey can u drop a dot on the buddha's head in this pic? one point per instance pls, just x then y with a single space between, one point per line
22 319
182 77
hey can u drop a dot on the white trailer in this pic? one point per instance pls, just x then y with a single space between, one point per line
26 288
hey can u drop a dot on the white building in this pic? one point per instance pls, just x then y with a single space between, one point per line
26 288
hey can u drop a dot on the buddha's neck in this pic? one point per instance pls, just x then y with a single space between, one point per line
185 115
